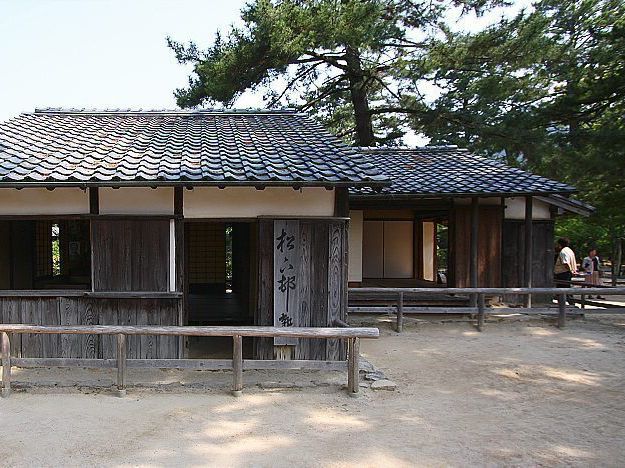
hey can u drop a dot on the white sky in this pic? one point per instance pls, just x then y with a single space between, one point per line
107 53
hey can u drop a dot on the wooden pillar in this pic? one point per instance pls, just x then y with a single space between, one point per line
5 355
94 200
237 365
529 248
121 365
341 202
353 365
400 312
473 265
561 310
179 267
481 310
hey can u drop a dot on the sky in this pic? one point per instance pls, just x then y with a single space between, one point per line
109 53
101 53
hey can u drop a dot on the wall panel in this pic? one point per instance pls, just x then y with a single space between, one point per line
131 255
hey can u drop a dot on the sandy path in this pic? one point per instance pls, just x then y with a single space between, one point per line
521 393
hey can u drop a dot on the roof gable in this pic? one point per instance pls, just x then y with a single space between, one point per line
53 147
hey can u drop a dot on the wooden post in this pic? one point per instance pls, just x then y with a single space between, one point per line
5 352
480 311
353 365
473 267
561 310
529 248
400 313
121 365
237 365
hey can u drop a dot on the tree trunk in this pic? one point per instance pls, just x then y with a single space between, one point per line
360 101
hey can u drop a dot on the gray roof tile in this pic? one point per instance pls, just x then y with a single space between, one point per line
448 170
54 146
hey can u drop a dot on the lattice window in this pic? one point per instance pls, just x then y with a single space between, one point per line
207 253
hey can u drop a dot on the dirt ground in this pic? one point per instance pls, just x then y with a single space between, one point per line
523 393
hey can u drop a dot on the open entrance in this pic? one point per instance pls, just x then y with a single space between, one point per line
221 276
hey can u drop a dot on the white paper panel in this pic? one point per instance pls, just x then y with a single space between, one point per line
355 246
398 249
428 250
373 249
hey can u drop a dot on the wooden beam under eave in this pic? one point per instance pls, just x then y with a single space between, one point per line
178 201
94 201
341 202
528 251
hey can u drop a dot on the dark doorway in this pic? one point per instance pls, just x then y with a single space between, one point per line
220 275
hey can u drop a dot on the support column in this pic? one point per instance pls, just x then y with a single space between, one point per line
237 365
529 248
473 266
121 365
5 354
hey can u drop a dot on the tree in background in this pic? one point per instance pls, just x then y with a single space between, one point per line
545 91
345 61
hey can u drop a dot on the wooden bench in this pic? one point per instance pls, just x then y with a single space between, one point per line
237 364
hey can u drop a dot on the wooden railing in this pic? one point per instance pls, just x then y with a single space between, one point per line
399 295
237 364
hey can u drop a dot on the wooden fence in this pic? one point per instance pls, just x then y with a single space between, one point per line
399 296
237 364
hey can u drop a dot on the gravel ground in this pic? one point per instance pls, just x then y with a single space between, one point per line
522 393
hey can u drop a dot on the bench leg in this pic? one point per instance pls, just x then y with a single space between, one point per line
237 365
5 349
353 366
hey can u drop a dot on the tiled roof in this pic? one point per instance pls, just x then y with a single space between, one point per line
448 170
221 147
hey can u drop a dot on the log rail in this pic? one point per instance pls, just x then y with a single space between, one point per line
399 295
237 364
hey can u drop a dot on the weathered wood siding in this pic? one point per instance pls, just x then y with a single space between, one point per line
543 256
130 255
489 246
90 311
322 283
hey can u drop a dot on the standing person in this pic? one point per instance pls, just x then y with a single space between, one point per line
592 269
566 265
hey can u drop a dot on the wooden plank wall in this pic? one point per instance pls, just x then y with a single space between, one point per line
489 246
322 285
513 241
90 311
132 255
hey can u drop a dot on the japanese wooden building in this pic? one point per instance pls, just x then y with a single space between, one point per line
490 225
174 218
243 217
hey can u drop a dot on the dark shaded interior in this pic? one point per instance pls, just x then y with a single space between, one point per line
221 275
45 254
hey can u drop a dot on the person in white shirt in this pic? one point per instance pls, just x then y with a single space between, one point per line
566 265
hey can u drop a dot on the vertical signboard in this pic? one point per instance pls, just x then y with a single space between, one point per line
286 277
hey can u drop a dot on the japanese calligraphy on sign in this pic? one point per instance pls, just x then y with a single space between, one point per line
286 272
